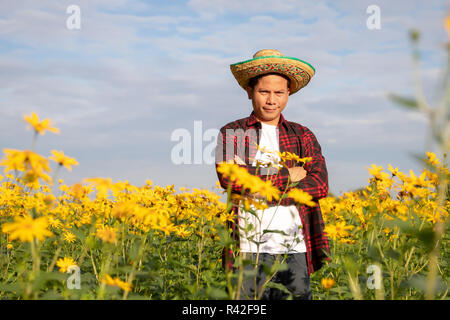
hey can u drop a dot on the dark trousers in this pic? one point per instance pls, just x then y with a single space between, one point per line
295 279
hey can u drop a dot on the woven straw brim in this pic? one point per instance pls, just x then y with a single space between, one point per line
300 72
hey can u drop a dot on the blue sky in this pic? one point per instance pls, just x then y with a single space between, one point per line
138 70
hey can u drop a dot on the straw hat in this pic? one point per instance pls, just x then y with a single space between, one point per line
273 61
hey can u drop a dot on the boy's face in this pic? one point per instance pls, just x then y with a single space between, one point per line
269 97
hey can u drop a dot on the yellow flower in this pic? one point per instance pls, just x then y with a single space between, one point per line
182 232
248 202
54 222
387 231
65 263
116 282
348 241
432 159
78 190
248 181
63 160
234 172
330 231
122 210
163 224
101 184
49 200
327 283
107 234
69 237
414 182
229 216
34 165
390 234
265 189
40 126
301 197
392 170
339 230
377 172
286 156
25 160
437 215
26 228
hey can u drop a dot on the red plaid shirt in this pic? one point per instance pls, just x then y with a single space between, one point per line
240 137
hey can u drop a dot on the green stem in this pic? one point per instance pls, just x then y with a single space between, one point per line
55 257
33 144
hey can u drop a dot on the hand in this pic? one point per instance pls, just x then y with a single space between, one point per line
297 173
238 160
257 195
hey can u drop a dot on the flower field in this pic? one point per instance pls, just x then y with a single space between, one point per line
99 239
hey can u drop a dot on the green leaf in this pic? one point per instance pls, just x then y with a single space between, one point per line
134 296
133 253
394 254
267 269
42 279
374 254
92 243
50 295
278 267
404 226
79 234
225 237
275 231
426 236
279 286
13 287
349 264
142 274
218 294
333 265
409 103
192 267
125 269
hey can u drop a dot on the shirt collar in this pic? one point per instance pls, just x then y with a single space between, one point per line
252 121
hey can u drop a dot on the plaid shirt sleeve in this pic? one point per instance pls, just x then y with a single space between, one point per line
228 146
316 181
304 143
316 184
224 142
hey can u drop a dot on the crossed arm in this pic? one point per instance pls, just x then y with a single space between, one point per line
313 178
295 173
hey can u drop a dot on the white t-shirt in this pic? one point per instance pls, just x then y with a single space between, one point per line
283 222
